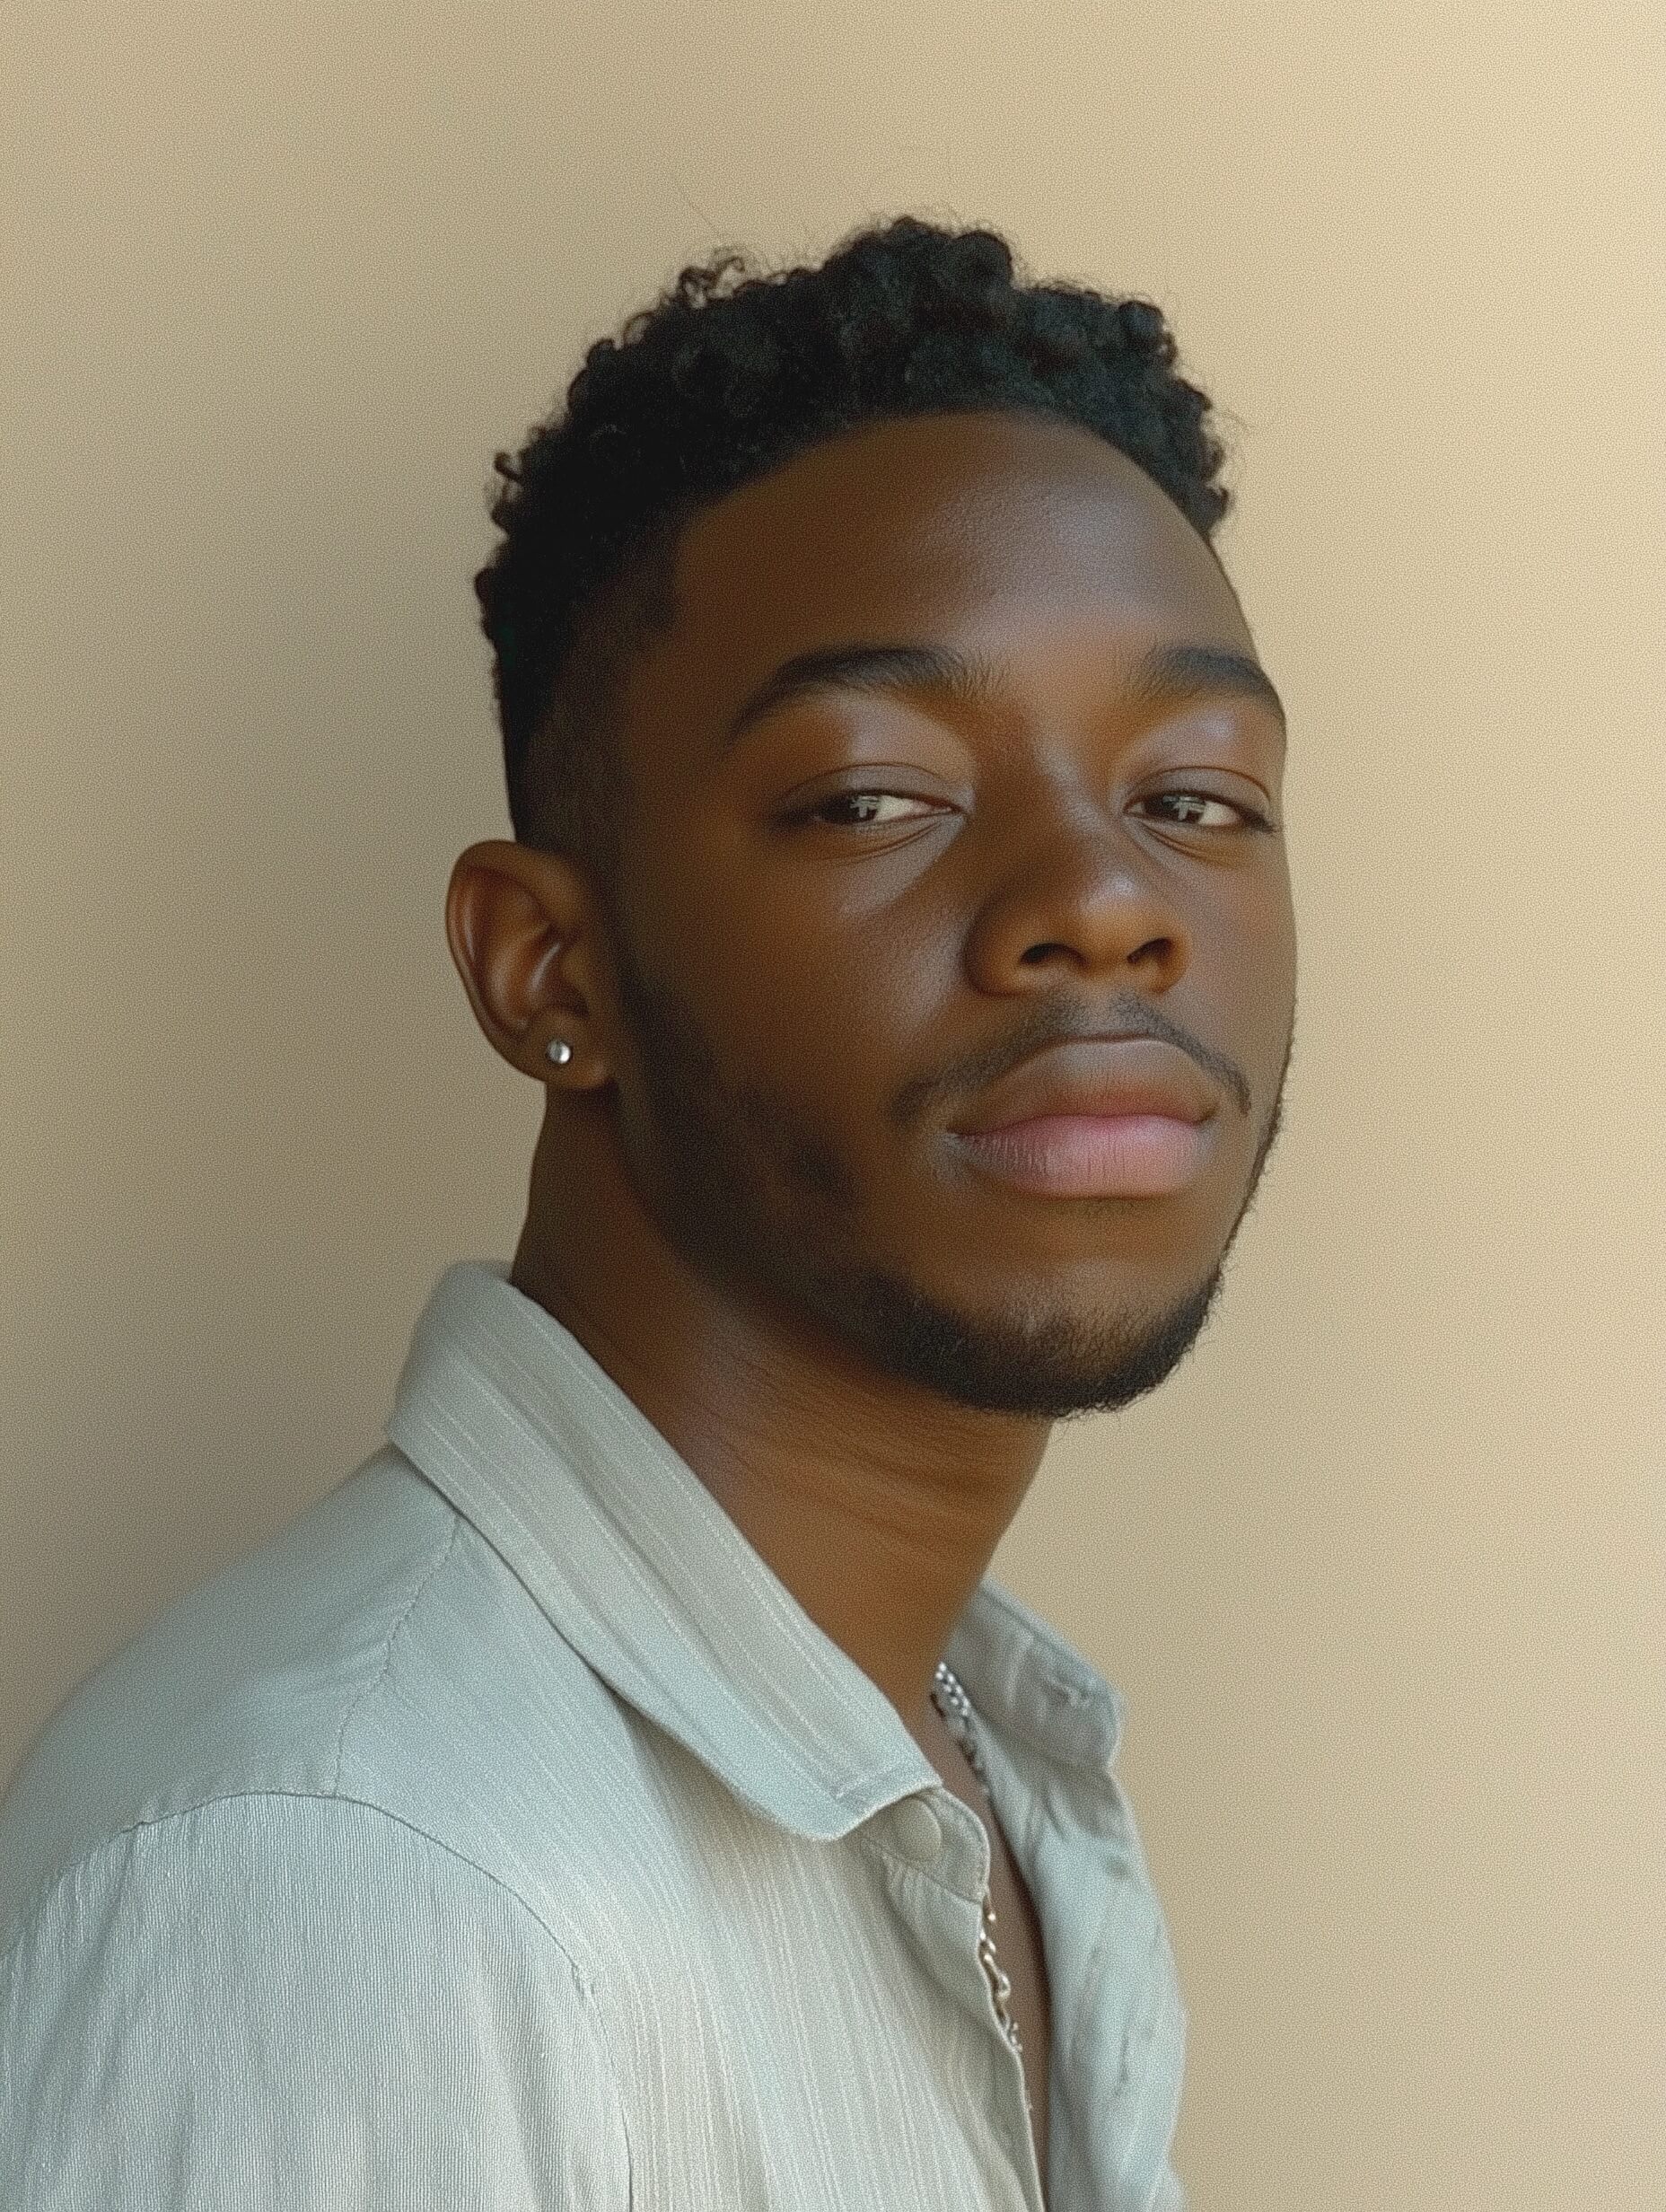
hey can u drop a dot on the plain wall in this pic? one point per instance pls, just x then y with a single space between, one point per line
1378 1571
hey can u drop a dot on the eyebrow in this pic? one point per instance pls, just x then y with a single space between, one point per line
1164 674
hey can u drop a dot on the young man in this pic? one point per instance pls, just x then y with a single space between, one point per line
625 1789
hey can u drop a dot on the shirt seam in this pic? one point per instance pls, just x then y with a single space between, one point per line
35 1911
368 1689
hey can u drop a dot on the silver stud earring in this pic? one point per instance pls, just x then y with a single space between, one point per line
559 1051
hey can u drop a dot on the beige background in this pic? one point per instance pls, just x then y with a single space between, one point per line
1379 1570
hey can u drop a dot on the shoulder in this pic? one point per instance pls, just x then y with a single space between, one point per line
242 1686
276 1988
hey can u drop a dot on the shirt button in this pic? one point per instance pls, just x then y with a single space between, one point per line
917 1832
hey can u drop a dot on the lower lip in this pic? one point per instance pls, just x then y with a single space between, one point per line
1092 1156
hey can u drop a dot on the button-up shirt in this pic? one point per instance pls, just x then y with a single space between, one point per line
503 1834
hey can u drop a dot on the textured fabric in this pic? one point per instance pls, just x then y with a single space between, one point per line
503 1834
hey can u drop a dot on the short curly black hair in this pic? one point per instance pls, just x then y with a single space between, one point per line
717 384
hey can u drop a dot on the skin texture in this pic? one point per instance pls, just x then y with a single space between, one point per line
743 1203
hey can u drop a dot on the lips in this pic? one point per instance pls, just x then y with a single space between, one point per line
1108 1156
1096 1077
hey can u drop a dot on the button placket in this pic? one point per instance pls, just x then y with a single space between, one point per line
918 1832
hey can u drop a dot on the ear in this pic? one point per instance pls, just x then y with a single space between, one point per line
521 925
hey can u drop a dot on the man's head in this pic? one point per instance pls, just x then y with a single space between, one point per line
779 1011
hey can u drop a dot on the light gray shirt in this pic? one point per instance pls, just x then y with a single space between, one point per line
503 1834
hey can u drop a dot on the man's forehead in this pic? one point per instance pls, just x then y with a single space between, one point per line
926 485
931 519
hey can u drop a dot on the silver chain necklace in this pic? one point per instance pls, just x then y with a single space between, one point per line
951 1701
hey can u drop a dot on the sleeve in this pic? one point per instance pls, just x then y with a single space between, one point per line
298 2002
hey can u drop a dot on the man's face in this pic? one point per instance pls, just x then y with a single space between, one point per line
815 1003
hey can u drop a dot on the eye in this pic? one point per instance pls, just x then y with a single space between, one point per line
857 798
1251 818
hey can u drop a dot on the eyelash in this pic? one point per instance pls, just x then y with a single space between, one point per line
1253 817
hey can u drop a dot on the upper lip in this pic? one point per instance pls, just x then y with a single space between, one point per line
1102 1075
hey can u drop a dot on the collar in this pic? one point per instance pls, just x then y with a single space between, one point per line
638 1568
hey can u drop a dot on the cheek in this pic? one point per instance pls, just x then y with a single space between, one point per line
739 933
843 1023
842 1016
875 977
1262 945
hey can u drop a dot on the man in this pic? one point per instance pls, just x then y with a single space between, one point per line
625 1789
